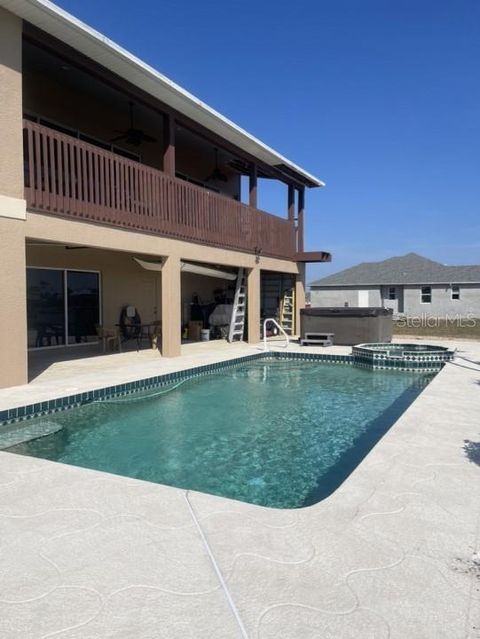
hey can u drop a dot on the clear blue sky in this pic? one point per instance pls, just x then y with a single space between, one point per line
380 99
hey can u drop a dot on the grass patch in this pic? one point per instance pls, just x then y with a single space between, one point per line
432 327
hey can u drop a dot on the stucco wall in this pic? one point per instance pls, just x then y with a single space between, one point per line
56 229
123 282
328 296
442 304
13 336
11 156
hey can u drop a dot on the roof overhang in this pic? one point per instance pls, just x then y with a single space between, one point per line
319 284
310 257
58 23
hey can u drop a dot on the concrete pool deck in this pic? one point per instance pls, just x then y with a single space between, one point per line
394 552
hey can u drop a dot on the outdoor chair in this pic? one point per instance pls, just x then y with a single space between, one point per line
110 335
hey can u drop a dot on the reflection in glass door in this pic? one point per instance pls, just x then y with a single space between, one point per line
45 307
63 307
83 306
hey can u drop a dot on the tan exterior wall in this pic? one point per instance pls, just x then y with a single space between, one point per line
11 156
123 281
55 229
171 300
13 336
171 288
253 305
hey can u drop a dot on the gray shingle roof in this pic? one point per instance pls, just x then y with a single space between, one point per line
405 269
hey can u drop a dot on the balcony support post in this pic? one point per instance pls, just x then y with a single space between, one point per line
252 200
253 305
300 220
291 203
171 307
169 145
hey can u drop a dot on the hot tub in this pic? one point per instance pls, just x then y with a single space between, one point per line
407 357
350 325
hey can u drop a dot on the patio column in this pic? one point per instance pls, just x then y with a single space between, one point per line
171 307
300 223
291 203
299 295
253 305
13 336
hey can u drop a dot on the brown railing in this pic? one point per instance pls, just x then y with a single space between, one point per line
72 178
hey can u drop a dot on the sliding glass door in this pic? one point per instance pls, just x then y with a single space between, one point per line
63 307
83 306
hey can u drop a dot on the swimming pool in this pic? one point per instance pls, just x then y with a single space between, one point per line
277 433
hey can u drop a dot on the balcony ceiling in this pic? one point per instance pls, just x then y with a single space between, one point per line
48 17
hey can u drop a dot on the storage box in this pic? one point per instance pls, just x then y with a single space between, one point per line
195 330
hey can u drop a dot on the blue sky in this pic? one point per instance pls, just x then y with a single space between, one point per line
380 99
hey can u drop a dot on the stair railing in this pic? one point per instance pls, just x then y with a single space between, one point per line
280 328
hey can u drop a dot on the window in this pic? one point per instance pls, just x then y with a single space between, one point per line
392 293
455 292
426 294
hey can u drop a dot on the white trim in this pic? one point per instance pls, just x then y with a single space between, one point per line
426 294
62 25
13 207
455 292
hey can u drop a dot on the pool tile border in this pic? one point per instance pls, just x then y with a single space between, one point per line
377 357
42 409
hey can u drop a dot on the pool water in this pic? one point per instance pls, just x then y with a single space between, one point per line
279 433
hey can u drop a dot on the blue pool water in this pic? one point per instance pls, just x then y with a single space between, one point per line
277 433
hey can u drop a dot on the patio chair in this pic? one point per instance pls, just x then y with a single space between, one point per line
109 335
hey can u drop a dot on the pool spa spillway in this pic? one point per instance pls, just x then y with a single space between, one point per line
283 432
407 357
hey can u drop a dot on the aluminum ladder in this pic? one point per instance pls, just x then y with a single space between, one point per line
287 311
237 322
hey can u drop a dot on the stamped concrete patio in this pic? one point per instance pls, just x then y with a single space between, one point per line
394 552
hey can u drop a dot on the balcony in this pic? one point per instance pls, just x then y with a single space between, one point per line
68 177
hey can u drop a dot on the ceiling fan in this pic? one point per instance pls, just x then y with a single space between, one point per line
133 136
216 174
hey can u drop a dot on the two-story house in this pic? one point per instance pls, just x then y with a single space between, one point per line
107 167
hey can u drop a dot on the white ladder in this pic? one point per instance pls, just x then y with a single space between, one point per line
237 322
287 311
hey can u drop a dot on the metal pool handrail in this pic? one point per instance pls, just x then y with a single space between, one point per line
274 321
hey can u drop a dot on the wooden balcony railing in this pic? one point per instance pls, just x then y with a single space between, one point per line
74 179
